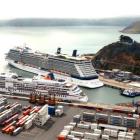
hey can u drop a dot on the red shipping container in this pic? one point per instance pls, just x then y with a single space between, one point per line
26 112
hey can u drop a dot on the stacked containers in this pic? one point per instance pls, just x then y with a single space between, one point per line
88 117
8 113
42 116
94 126
28 124
97 131
130 122
2 108
107 132
77 118
125 136
102 118
84 126
77 134
115 120
114 133
105 137
121 135
89 135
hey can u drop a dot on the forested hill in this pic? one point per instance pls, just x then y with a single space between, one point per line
123 54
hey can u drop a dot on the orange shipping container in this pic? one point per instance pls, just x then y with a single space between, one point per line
61 137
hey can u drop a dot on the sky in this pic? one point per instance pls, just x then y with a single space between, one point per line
10 9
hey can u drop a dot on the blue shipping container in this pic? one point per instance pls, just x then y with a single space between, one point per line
51 110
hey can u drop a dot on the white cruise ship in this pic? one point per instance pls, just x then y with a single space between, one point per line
75 69
11 83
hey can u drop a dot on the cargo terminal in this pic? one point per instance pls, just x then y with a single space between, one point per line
66 121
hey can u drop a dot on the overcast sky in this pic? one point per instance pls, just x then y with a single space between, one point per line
68 8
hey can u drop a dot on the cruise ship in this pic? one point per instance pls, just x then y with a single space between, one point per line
75 69
11 83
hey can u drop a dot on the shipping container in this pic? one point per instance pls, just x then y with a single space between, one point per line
3 129
51 110
88 117
73 124
93 126
17 131
28 124
12 118
68 127
77 118
26 112
84 126
26 107
77 134
89 135
105 137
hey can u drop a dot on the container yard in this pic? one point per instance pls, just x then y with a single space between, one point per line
21 120
97 126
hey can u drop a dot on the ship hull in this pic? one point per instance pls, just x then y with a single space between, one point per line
94 83
27 94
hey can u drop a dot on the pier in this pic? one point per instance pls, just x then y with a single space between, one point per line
92 106
116 84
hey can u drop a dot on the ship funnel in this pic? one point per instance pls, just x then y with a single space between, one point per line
74 54
58 51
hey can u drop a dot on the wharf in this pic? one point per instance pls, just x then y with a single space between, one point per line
94 106
54 126
116 84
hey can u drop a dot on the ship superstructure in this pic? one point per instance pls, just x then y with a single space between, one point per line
11 83
73 68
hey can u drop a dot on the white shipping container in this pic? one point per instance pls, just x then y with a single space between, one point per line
85 126
88 135
130 134
114 133
105 137
136 116
60 107
128 137
41 121
68 127
28 124
77 134
107 132
122 133
43 110
58 112
96 136
75 138
64 133
121 137
73 124
94 126
97 131
70 136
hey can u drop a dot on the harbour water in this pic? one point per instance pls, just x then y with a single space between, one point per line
47 39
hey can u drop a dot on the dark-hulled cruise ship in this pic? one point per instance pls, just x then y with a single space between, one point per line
75 69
